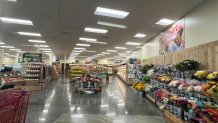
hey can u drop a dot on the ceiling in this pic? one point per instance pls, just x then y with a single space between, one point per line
62 22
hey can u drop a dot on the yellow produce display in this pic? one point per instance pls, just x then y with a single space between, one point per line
139 86
201 74
213 75
164 79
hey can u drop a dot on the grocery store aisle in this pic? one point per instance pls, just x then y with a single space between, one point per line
116 104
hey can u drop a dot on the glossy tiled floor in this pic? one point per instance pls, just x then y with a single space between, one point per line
116 104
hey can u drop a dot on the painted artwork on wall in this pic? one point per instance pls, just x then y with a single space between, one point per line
173 39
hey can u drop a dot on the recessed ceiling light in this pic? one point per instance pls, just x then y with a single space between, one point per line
84 45
87 39
73 54
2 43
10 47
112 51
99 42
165 22
133 43
140 35
100 54
41 45
111 24
16 21
77 51
111 12
15 49
106 53
29 34
37 41
95 30
12 0
45 49
79 48
121 48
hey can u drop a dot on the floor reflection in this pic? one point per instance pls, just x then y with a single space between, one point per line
59 101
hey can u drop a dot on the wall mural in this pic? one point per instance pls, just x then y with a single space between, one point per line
173 39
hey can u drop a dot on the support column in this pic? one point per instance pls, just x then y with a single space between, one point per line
17 58
65 62
38 49
50 58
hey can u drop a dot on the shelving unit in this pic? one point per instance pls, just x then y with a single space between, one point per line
33 74
122 72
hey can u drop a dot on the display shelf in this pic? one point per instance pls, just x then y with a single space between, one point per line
11 78
37 76
170 118
33 71
150 98
121 77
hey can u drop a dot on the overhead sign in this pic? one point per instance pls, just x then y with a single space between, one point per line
32 57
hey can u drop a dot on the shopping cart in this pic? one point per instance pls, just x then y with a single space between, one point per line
13 106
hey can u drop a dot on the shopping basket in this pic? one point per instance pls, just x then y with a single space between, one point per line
13 106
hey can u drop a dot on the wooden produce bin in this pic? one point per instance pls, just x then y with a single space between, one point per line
170 118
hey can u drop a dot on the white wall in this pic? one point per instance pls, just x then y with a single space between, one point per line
150 49
105 61
201 26
8 60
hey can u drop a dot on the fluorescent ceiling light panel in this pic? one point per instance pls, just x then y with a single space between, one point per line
82 56
106 53
2 43
165 22
128 51
111 24
12 0
95 30
37 41
111 12
16 21
113 51
84 45
48 49
10 47
73 54
87 39
29 34
41 46
79 48
15 49
99 42
77 51
133 43
140 35
121 48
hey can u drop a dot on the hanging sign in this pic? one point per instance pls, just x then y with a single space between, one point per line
32 57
